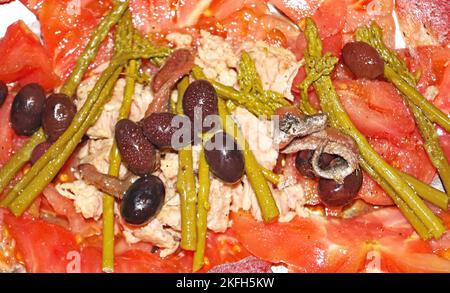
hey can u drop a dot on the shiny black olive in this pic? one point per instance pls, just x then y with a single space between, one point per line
159 130
143 200
3 92
137 153
200 96
363 60
304 166
59 111
224 158
26 110
39 150
335 194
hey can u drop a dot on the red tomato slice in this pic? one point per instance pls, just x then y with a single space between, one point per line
445 144
302 243
33 5
24 59
221 9
340 245
329 17
296 10
362 12
376 108
6 132
442 101
432 63
189 12
66 27
154 16
44 247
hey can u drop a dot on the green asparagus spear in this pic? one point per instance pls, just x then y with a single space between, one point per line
124 30
202 211
186 184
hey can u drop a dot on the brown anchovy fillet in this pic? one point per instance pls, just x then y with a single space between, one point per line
329 141
177 65
293 124
103 182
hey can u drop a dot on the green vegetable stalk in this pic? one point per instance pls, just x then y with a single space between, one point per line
15 164
124 30
186 184
202 211
339 119
424 112
269 209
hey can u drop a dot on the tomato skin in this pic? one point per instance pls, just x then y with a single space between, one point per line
33 5
66 29
6 132
379 240
297 10
444 140
44 247
24 59
376 108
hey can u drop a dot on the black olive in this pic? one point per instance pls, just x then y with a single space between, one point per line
39 150
335 194
159 130
143 200
137 153
224 158
200 96
363 60
26 110
59 111
3 92
304 166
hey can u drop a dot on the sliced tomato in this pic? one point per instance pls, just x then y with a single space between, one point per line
296 10
137 261
378 240
44 247
33 5
189 12
432 63
24 58
66 28
362 12
442 101
6 132
302 244
329 17
376 108
154 16
445 144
